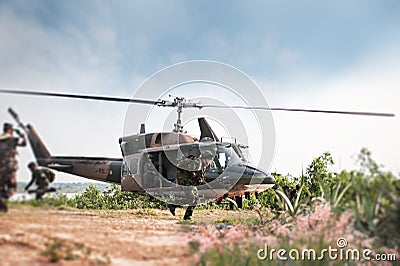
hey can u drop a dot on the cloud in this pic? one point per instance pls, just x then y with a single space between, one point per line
36 55
370 86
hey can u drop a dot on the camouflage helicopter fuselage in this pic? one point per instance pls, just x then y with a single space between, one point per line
229 173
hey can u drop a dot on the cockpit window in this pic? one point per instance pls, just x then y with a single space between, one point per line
229 155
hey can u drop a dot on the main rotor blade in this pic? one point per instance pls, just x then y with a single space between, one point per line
193 105
85 97
296 110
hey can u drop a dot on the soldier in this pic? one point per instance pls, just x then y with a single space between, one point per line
42 178
191 172
9 163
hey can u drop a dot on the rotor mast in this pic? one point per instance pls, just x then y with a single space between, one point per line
179 102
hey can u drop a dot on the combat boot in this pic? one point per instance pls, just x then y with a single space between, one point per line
188 213
172 208
3 205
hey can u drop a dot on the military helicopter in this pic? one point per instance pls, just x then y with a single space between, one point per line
229 175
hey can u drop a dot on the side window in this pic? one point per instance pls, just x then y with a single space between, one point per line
133 166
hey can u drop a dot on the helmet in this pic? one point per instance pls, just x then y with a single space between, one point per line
7 126
31 165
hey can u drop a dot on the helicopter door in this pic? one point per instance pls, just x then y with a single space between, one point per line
169 167
150 170
166 169
156 170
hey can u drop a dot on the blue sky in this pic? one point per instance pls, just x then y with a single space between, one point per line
306 54
266 38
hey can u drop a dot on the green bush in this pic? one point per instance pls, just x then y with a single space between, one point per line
113 199
95 199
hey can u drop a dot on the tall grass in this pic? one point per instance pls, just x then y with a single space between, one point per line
313 211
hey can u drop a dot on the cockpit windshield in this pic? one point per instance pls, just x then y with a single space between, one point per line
229 154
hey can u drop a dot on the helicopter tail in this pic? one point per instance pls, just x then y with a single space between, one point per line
39 149
96 168
206 130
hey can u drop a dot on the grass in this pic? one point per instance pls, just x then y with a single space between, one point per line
57 249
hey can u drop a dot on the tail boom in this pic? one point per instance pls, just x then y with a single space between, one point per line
95 168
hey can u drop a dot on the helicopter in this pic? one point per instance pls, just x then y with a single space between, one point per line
228 175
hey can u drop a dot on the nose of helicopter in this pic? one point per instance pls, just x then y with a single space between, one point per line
253 175
258 176
264 179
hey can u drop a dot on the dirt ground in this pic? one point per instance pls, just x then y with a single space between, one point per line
35 236
119 237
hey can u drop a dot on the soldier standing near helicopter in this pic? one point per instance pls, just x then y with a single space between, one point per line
191 173
9 163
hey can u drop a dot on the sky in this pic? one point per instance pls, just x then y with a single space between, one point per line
342 55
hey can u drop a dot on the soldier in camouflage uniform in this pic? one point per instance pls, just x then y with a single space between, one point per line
42 178
191 172
9 163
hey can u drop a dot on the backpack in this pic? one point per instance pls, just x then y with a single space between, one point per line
49 174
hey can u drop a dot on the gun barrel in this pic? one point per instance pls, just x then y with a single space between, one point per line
16 118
